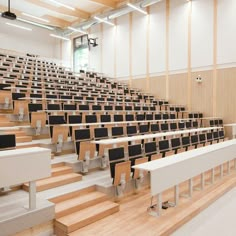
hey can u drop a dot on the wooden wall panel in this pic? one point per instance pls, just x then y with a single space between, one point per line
202 93
158 86
178 86
139 83
226 94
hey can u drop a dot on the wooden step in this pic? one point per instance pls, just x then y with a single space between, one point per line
6 124
54 182
61 170
79 203
23 139
59 164
18 133
77 220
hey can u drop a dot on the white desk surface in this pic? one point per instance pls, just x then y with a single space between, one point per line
150 136
233 124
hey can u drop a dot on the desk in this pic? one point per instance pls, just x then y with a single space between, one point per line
114 141
184 166
25 165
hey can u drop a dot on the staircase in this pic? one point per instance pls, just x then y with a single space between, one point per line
21 136
78 209
60 175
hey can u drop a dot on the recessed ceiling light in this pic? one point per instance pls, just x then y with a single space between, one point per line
36 24
18 26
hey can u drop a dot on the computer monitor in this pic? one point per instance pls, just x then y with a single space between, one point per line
185 141
150 148
202 138
175 143
194 139
117 131
164 127
129 117
143 129
100 133
116 154
105 118
69 107
54 107
75 119
209 136
91 119
155 127
56 120
173 126
7 141
33 107
118 118
131 130
84 107
164 145
82 134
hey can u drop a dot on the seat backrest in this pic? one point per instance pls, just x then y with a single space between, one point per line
122 172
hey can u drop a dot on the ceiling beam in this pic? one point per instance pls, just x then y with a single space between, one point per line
77 13
107 3
56 21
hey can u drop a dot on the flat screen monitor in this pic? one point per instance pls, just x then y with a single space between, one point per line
143 129
164 127
108 108
131 130
163 145
91 119
117 131
83 107
185 141
69 107
82 134
7 141
202 138
105 118
35 107
194 139
56 120
129 117
175 142
154 128
100 133
96 107
134 150
150 147
118 118
54 107
173 126
75 119
116 153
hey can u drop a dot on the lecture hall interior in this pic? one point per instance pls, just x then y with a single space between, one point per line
117 117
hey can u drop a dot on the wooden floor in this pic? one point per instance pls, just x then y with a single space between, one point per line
133 218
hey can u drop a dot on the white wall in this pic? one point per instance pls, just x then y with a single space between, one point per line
36 41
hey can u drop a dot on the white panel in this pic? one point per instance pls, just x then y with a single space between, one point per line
66 53
36 41
157 42
139 39
95 52
122 45
202 33
108 50
226 31
178 37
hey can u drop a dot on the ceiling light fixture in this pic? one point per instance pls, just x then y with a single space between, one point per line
103 21
59 37
148 3
77 30
18 26
35 17
137 8
62 5
34 23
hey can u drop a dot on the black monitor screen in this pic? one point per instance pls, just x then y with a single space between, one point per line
135 150
75 119
185 140
100 132
175 142
150 147
131 129
118 117
143 129
91 119
154 127
82 134
84 107
56 120
108 108
164 127
117 131
54 107
7 141
209 136
35 107
194 139
69 107
202 137
105 118
149 117
116 153
140 117
129 117
173 126
163 145
215 134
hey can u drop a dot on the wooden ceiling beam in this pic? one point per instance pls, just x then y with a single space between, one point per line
107 3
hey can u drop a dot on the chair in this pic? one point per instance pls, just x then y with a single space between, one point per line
21 109
38 121
138 175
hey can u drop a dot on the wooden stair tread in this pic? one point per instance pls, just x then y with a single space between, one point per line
61 170
80 202
86 216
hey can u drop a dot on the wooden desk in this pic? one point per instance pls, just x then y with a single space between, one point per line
168 172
